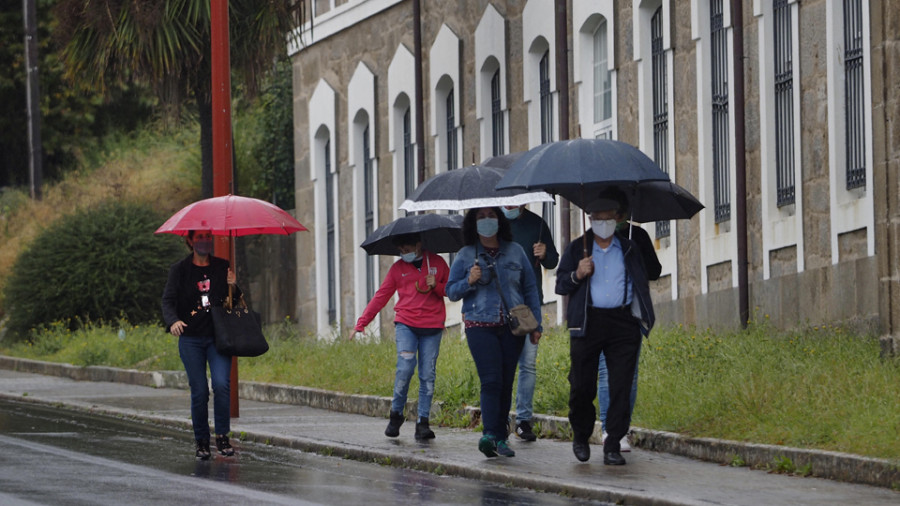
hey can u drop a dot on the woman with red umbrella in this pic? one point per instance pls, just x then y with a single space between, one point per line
195 284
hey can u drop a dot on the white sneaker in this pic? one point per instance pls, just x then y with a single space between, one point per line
603 438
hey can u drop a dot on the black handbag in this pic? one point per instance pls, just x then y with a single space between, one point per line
238 329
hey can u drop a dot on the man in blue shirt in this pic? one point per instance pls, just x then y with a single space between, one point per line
609 308
532 233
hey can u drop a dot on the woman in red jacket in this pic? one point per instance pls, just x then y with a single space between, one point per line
419 278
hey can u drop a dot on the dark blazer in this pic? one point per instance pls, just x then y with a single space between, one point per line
579 291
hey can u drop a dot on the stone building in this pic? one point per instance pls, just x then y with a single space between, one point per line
819 164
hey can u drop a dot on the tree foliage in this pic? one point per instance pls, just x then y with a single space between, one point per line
166 44
71 117
103 263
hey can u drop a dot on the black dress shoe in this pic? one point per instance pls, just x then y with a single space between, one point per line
582 450
613 459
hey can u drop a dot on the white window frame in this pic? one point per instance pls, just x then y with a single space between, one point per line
586 18
490 56
322 121
538 36
361 114
643 11
401 90
850 209
718 243
782 227
444 76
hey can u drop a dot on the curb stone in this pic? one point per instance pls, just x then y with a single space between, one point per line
836 466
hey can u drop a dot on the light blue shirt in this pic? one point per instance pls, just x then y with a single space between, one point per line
608 280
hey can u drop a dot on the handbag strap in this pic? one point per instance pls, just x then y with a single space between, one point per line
496 277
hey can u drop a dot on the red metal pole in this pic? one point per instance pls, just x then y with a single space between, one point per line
223 173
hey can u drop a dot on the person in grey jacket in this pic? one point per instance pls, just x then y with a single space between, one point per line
490 263
609 309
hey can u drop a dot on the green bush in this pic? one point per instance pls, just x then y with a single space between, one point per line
101 264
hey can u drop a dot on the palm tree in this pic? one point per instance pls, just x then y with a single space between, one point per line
166 44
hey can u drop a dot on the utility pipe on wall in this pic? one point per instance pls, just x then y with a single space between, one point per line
740 183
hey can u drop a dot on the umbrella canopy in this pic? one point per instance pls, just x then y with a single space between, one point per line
580 164
440 233
231 215
580 169
647 201
467 188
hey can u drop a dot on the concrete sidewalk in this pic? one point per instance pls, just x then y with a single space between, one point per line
650 477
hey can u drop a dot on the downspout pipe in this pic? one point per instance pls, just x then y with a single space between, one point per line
737 22
562 82
420 114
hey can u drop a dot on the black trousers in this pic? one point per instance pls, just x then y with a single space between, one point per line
615 333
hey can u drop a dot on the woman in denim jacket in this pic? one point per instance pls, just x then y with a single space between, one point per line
489 262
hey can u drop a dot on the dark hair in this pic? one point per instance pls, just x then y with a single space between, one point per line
470 229
410 239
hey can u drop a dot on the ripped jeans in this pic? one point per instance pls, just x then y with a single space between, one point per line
410 346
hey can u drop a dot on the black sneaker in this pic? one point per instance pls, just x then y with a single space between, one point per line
523 430
202 449
223 445
393 428
504 450
423 431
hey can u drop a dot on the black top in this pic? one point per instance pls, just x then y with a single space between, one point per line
191 290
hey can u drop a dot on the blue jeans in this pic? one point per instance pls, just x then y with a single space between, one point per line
195 353
527 377
495 352
603 388
409 345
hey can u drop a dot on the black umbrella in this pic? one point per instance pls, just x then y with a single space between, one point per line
647 201
468 188
440 233
579 169
579 163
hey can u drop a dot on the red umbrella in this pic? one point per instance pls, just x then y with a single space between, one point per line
231 215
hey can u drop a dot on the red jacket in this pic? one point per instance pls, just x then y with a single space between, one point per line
413 308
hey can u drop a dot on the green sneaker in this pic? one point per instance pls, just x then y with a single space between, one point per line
488 446
504 449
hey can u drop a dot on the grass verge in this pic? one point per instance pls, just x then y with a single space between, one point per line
820 388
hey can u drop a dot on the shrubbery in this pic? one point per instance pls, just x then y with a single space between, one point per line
100 264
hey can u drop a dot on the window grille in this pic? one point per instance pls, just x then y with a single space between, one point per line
369 199
496 116
451 133
784 104
546 125
720 142
602 81
854 95
409 170
330 236
660 106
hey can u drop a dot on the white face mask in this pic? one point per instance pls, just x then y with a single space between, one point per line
603 228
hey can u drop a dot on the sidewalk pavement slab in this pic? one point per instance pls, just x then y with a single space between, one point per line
649 478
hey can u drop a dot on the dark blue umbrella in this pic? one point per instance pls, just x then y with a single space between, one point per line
440 233
580 169
578 163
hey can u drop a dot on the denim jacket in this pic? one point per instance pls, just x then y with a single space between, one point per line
481 301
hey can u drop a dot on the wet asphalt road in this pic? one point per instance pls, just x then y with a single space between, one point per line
62 457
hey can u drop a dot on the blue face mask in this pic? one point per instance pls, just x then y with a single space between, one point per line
203 247
408 257
513 213
487 227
